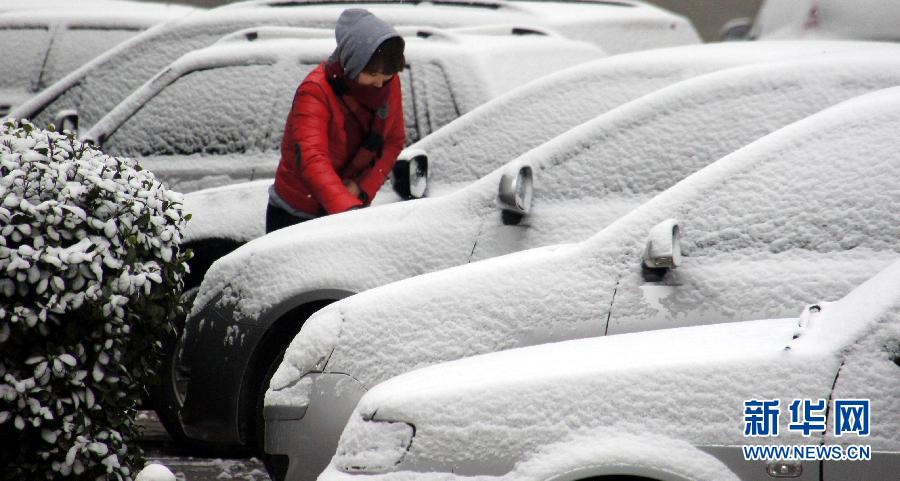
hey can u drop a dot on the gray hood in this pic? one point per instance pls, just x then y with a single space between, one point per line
358 34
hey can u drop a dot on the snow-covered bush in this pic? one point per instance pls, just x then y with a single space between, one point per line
90 274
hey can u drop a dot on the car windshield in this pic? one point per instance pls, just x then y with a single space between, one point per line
72 47
21 66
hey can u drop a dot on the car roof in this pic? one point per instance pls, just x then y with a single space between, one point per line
617 79
870 112
95 6
131 19
760 79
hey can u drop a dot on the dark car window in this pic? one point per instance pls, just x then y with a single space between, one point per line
409 108
23 57
216 111
73 47
435 105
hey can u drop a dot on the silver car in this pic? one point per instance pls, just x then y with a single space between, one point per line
668 405
41 45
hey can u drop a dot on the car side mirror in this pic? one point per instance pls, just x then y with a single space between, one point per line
66 120
410 174
663 249
736 29
516 186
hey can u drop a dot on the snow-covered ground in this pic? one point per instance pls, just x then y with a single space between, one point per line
194 466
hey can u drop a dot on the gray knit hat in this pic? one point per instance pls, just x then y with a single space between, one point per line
359 34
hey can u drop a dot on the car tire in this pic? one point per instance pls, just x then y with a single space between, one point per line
276 465
167 395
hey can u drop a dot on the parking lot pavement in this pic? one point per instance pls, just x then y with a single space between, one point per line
158 448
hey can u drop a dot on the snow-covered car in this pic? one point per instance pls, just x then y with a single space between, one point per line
42 46
491 135
137 6
819 19
252 301
807 212
667 405
97 87
216 115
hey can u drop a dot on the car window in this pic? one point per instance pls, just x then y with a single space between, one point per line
607 167
870 371
23 57
409 108
435 106
216 111
75 46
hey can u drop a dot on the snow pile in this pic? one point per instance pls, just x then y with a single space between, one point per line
90 269
155 472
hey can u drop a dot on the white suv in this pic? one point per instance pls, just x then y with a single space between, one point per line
97 87
215 116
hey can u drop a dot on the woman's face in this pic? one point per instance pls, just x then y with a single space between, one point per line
373 79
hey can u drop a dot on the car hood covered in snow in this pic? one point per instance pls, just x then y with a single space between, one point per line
349 252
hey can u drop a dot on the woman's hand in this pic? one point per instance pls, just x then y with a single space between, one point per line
352 187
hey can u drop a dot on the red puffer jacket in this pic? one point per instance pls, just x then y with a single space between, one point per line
321 138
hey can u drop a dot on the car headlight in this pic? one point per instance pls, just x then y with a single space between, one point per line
372 446
290 388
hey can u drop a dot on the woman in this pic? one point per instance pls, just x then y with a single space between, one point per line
345 127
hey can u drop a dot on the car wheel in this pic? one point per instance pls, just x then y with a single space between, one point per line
276 465
167 396
270 353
